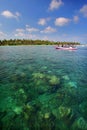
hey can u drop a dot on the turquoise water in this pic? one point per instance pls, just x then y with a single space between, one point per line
42 88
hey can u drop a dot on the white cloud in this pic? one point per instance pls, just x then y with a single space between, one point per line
27 25
48 30
26 32
20 30
29 29
17 14
55 4
76 19
83 10
9 14
61 21
31 36
25 35
2 35
43 21
20 34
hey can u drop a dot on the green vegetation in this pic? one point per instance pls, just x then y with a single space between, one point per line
34 42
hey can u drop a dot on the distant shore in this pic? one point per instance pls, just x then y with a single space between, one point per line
34 42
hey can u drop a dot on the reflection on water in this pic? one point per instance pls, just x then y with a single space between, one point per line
42 88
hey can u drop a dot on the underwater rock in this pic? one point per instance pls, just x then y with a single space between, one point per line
18 76
7 121
70 88
49 71
83 109
22 74
27 111
39 82
60 95
54 80
41 86
38 75
21 91
47 115
72 84
63 111
18 110
28 108
21 94
30 68
44 67
26 116
80 124
55 113
41 115
65 77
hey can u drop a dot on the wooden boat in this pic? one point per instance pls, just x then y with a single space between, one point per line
66 48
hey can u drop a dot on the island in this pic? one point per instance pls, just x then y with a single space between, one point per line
35 42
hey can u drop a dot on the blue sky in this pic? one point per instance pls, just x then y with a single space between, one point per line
57 20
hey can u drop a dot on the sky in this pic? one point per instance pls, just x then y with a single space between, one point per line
54 20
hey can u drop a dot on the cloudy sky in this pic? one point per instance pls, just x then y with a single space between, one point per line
57 20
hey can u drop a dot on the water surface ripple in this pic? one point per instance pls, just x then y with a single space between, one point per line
42 88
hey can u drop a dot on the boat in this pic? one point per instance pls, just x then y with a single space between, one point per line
66 48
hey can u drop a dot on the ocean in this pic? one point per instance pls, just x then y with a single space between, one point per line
42 88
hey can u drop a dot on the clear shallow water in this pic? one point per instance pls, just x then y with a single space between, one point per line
43 88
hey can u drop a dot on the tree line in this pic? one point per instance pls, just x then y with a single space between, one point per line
34 42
